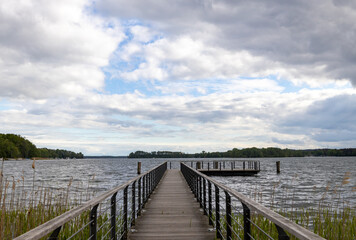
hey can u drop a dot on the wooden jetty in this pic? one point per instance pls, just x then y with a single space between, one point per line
168 204
172 213
226 167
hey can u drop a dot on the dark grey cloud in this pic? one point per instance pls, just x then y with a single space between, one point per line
329 120
316 38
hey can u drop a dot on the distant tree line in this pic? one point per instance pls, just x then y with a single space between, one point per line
248 153
15 146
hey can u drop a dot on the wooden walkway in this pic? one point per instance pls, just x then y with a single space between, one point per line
172 213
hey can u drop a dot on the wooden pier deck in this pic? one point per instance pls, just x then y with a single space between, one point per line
172 213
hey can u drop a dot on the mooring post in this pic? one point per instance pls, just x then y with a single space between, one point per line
278 165
138 167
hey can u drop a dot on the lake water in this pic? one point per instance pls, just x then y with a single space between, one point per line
303 182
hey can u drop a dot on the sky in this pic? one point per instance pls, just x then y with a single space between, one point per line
111 77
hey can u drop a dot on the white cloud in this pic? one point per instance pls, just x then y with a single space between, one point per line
307 41
52 48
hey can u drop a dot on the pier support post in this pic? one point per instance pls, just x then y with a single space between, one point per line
198 165
278 166
138 167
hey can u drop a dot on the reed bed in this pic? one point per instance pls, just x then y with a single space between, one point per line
24 206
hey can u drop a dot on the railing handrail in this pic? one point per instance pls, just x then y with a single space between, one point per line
220 160
51 225
291 227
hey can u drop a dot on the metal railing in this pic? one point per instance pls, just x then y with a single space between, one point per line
225 164
241 221
108 216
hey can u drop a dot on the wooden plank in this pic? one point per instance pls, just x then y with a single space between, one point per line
172 213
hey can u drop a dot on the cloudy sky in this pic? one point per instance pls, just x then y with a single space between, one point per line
114 76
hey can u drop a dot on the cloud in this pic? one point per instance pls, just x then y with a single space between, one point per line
307 40
328 120
53 48
112 77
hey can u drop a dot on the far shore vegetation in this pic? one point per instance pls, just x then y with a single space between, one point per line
253 152
15 146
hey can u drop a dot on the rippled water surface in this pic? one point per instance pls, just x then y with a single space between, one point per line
303 182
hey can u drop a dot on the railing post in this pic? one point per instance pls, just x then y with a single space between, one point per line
139 207
200 192
197 188
282 235
228 216
148 185
247 224
151 182
143 190
124 235
93 220
133 204
210 204
217 212
54 235
113 216
204 196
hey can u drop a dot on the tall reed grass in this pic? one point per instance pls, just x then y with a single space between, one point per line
23 208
